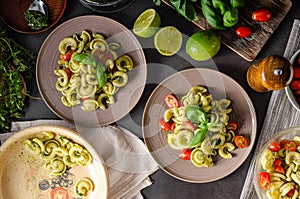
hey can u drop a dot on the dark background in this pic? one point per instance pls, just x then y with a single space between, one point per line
226 61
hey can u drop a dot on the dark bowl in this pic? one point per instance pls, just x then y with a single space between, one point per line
12 14
106 6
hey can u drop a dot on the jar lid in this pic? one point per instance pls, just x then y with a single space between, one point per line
276 72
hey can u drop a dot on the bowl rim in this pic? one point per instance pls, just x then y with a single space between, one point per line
288 90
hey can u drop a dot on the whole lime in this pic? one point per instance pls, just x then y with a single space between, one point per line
203 45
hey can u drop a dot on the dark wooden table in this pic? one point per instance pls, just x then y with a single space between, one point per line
226 61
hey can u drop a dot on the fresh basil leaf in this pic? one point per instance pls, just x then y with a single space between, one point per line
198 137
101 76
185 8
157 2
230 17
196 115
85 58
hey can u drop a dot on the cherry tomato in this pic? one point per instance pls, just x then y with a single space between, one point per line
296 72
173 126
277 162
295 84
59 192
164 125
296 92
240 141
232 126
185 154
275 146
261 15
291 193
280 169
84 98
188 125
67 56
289 145
69 72
172 101
243 31
264 180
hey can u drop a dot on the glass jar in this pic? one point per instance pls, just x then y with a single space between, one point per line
272 73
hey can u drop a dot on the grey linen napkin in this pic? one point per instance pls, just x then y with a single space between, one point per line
280 114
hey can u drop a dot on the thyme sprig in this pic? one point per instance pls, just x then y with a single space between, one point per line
16 68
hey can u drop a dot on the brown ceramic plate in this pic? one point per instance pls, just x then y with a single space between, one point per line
12 13
220 86
22 174
127 96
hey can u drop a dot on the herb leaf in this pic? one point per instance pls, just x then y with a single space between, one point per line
85 59
157 2
16 69
89 59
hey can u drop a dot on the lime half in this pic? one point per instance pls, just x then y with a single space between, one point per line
168 40
147 23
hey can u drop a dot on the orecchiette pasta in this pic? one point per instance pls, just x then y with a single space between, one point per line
59 153
282 167
217 140
79 81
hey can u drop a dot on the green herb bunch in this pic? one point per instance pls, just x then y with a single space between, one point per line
16 68
185 8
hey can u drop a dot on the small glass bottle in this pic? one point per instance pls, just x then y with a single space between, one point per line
272 73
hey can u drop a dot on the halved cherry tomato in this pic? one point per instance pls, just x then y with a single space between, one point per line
188 125
241 141
275 146
291 193
67 56
164 125
296 72
277 162
185 154
172 101
264 180
295 84
173 126
84 98
243 31
289 145
59 192
280 169
261 15
69 72
232 126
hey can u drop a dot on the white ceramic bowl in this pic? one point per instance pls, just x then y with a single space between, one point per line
288 133
22 174
288 90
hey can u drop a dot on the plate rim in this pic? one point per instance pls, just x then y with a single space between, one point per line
91 17
252 112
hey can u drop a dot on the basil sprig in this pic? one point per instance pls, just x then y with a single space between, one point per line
89 59
198 116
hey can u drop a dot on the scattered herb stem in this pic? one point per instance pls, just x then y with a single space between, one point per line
16 68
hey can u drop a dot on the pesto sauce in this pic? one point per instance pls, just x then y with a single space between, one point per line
35 19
